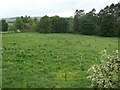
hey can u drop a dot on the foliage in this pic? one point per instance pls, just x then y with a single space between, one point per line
62 25
105 75
70 25
105 23
52 24
35 20
88 23
25 24
44 25
19 23
55 23
108 20
12 28
4 25
78 14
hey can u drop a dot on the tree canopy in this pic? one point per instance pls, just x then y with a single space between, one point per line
4 25
104 23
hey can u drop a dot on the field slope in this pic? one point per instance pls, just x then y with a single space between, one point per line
51 60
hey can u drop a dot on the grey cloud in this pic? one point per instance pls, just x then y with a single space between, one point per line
49 7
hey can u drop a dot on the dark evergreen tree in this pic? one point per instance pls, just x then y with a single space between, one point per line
4 25
44 25
59 25
76 23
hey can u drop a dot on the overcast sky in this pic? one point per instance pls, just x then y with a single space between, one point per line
64 8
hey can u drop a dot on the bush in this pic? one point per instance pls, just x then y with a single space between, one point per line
12 28
106 74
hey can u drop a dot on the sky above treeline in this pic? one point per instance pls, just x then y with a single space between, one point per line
63 8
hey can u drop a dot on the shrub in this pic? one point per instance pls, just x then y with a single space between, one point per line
12 28
105 75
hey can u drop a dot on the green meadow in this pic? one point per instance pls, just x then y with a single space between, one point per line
34 60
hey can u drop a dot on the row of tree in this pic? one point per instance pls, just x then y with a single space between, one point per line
104 23
46 24
25 24
53 24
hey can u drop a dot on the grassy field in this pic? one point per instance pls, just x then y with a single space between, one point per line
36 60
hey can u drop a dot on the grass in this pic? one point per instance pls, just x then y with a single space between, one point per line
33 60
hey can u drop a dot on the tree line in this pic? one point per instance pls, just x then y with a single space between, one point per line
104 23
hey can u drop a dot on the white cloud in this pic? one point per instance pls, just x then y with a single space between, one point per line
10 8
